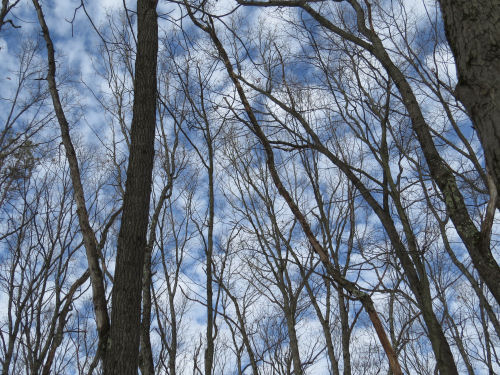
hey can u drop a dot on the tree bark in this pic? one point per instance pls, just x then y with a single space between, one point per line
146 363
146 353
209 350
472 32
122 355
289 311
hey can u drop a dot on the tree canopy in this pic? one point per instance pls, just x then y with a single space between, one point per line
254 187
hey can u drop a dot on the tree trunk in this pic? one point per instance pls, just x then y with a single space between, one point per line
472 32
146 354
122 355
88 234
346 333
209 351
172 350
292 335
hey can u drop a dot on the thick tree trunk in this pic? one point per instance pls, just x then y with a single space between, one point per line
146 353
472 32
122 355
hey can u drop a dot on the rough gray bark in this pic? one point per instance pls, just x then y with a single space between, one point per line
146 363
472 32
122 355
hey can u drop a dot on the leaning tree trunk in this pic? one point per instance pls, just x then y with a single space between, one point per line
351 287
122 355
88 234
472 32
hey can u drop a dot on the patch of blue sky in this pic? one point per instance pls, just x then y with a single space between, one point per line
415 23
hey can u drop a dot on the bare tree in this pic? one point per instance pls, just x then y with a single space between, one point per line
90 241
39 279
122 353
364 36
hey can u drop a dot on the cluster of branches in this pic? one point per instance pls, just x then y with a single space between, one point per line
279 187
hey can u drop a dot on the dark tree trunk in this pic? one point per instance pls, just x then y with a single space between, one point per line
209 351
472 29
146 353
290 310
122 355
346 333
